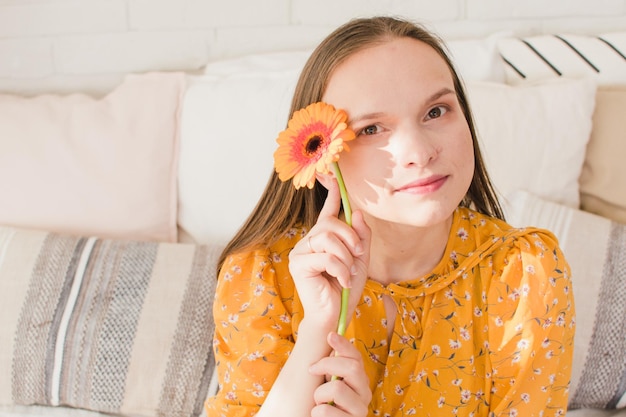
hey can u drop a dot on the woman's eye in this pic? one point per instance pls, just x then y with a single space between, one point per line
436 112
369 130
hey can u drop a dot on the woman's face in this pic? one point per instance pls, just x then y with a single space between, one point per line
412 160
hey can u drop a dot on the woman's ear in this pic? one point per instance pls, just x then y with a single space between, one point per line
325 179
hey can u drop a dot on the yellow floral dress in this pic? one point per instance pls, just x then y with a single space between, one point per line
488 333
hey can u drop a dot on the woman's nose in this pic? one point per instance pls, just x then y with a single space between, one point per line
415 146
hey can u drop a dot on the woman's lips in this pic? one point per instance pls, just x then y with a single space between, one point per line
424 186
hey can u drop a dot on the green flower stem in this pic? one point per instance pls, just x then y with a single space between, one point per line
345 293
344 194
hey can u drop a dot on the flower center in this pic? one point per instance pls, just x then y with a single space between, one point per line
313 144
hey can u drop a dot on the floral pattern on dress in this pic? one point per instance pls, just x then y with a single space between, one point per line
488 333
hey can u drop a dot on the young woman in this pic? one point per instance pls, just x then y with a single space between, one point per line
453 312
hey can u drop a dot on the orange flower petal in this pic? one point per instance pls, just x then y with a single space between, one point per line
312 141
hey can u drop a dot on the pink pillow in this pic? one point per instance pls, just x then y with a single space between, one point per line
104 167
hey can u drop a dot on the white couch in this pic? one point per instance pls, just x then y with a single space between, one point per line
114 210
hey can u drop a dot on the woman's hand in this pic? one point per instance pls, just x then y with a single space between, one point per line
348 395
331 256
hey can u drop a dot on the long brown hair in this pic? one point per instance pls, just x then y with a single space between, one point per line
281 206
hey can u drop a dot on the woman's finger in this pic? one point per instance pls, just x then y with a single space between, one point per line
364 234
354 374
341 397
328 225
351 392
333 201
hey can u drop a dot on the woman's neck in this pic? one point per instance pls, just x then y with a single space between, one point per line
401 253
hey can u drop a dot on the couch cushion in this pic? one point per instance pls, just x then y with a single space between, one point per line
112 326
595 247
534 137
603 177
82 165
231 118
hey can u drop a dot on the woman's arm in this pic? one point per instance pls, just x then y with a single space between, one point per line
292 392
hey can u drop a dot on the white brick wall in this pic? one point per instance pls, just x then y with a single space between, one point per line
541 9
194 14
132 51
20 19
337 12
88 45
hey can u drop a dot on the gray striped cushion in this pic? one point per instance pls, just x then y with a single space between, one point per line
602 57
105 325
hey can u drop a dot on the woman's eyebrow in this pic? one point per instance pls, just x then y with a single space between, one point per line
444 91
366 116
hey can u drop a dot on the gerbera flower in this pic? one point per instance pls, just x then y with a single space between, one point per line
312 141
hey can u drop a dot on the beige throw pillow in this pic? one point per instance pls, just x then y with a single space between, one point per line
603 177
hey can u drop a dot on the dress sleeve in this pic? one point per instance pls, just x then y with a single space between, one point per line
254 321
532 323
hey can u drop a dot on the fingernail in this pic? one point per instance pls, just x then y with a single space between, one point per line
353 269
358 249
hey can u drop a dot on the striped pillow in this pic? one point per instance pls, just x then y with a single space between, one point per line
105 325
533 58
